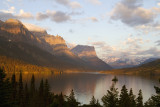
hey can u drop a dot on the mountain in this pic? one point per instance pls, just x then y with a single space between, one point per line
119 63
57 46
148 60
37 47
148 69
88 54
14 30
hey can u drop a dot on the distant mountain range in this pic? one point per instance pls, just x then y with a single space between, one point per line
37 47
119 63
150 67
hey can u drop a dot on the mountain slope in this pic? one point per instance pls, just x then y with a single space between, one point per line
38 48
56 45
148 61
88 54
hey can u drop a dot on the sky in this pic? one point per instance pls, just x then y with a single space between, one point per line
116 28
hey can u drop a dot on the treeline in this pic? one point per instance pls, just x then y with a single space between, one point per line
19 94
14 65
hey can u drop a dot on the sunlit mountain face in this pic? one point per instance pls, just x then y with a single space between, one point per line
38 47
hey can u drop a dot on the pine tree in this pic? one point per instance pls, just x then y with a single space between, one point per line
61 100
14 88
98 104
26 96
132 98
139 100
2 88
115 80
32 87
46 93
93 101
124 98
71 100
41 88
154 101
111 98
20 90
41 94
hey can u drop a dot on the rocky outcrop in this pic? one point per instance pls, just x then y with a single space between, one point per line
88 54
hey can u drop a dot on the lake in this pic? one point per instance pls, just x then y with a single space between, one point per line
85 85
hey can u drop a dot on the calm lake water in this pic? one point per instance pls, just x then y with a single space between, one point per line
85 85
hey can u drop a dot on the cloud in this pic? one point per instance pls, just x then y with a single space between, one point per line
5 16
70 45
75 5
158 43
76 13
32 27
131 47
56 16
134 43
98 44
151 52
149 28
60 17
10 10
24 15
94 19
131 13
10 13
95 2
68 3
101 46
41 16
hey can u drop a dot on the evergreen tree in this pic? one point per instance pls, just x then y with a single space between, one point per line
132 98
115 80
111 98
20 90
46 93
61 100
93 101
41 88
98 104
124 98
154 101
71 100
26 96
41 94
14 88
32 87
139 100
2 88
5 91
8 91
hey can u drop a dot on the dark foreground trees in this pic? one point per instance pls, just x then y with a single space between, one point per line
20 94
154 101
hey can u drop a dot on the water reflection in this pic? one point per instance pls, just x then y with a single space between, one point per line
87 84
